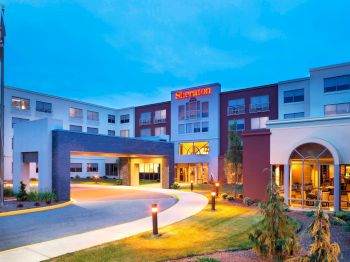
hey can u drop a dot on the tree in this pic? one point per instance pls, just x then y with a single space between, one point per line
275 235
233 157
321 248
22 194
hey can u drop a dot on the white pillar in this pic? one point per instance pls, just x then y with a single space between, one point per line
337 188
286 184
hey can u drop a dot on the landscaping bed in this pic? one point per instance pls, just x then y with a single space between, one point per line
14 205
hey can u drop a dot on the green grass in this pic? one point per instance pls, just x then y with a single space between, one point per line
206 232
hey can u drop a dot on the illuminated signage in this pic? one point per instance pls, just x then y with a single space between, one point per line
193 93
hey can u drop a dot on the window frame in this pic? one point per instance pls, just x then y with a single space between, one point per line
19 106
111 119
92 167
38 109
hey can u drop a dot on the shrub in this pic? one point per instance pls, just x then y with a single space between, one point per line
247 201
175 186
88 177
41 197
310 213
77 177
230 198
347 228
224 195
207 259
8 192
22 195
337 221
343 215
118 182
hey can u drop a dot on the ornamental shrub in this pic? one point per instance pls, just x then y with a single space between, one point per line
247 201
22 194
175 186
224 195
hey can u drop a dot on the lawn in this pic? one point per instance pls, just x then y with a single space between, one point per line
100 182
207 232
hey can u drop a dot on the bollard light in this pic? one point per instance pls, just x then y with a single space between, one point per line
213 194
217 188
155 219
191 185
95 177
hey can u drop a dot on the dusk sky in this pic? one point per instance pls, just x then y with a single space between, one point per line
126 53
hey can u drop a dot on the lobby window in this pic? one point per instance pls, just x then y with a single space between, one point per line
75 112
236 107
160 116
111 119
294 115
145 118
236 125
181 129
111 132
92 130
205 109
189 128
92 167
76 167
337 109
193 109
259 122
111 169
293 96
194 148
196 127
205 127
76 128
43 107
339 83
124 133
161 130
93 116
259 104
20 103
124 119
182 112
16 120
144 132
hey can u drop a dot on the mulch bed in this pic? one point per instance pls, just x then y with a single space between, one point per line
11 205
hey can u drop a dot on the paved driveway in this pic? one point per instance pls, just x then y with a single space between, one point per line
95 208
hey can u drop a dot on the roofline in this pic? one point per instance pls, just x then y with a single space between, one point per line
200 86
66 99
294 80
329 66
250 88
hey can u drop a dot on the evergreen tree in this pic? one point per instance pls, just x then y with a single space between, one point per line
22 194
234 157
275 236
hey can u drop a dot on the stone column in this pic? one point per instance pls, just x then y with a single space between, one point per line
337 188
125 171
286 184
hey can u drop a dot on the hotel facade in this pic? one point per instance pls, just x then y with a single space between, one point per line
297 129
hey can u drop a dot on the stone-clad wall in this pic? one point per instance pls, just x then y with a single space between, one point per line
63 142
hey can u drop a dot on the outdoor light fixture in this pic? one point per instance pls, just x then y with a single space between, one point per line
155 219
95 177
217 188
213 194
191 185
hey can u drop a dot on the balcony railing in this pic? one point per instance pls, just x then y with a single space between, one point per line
235 110
159 120
256 108
146 121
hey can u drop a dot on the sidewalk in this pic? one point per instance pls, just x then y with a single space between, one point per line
188 205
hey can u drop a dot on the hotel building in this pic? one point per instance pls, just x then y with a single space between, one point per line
298 129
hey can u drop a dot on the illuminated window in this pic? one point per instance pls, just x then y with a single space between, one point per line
182 112
205 109
160 116
259 122
75 112
337 109
20 103
193 109
92 167
161 130
124 133
194 148
94 116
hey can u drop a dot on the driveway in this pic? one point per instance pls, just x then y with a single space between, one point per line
95 208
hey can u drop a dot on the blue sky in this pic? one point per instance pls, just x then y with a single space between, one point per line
124 53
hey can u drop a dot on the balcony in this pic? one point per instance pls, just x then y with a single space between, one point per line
257 108
235 110
159 120
145 121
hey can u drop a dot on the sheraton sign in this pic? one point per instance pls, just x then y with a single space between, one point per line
193 93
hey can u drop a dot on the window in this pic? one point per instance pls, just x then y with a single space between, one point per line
20 103
16 120
160 116
161 130
43 107
124 119
75 112
337 109
111 169
205 126
293 96
92 167
259 104
145 132
189 128
182 129
194 148
93 116
294 115
236 107
111 132
205 109
259 122
236 125
76 128
196 127
338 83
92 130
145 118
182 112
76 167
111 119
124 133
193 109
